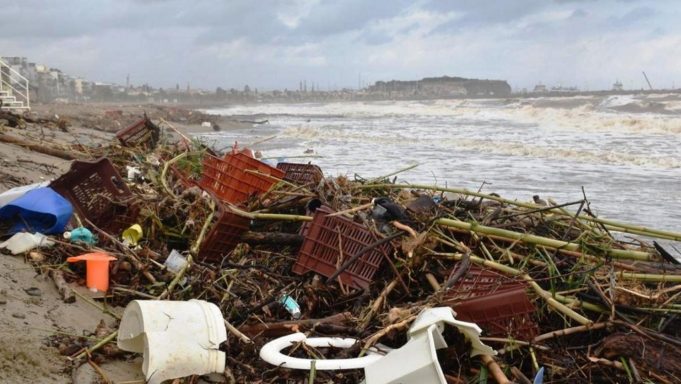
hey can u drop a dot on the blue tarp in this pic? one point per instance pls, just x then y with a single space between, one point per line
39 210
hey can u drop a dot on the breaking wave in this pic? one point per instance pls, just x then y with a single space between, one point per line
441 145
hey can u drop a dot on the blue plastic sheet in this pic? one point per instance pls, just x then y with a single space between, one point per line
39 210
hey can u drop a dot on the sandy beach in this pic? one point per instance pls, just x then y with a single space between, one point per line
32 314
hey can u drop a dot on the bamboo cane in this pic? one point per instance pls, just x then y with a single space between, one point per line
539 240
167 165
609 224
647 277
95 347
394 173
266 216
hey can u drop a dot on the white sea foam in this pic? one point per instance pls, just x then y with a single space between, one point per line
629 161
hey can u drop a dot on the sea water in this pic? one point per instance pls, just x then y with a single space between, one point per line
624 151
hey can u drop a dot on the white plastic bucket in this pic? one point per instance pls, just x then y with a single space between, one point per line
178 338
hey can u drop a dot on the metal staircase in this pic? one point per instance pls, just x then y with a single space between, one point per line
14 90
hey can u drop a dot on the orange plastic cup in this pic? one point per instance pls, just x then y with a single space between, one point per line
96 269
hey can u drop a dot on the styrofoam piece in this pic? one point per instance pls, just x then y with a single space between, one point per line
14 193
271 353
178 338
416 362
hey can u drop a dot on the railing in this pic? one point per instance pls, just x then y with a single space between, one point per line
16 84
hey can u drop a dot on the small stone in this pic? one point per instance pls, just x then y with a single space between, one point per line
3 301
33 291
18 315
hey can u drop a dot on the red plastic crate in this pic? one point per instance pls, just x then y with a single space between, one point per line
142 133
305 227
182 177
301 174
98 193
223 237
228 180
507 313
480 282
320 249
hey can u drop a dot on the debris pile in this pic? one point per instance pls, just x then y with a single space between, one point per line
365 266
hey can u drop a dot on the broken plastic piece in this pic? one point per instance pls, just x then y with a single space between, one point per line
132 235
17 192
80 235
178 338
133 172
23 242
291 306
414 363
271 353
175 261
539 378
96 269
39 210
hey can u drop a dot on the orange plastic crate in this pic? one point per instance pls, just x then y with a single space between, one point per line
223 237
140 133
301 173
505 313
480 282
320 250
229 180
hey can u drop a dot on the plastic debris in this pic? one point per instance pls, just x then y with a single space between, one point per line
291 306
38 210
97 269
178 338
133 172
14 193
23 242
80 235
414 363
132 235
175 261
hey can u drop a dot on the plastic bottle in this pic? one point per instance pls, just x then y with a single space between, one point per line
291 306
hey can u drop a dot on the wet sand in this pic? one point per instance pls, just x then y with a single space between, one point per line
28 322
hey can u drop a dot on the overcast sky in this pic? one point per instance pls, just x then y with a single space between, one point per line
275 44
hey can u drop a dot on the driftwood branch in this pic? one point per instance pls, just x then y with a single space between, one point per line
66 155
63 288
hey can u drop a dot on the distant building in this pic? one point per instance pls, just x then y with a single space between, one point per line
617 86
561 89
540 88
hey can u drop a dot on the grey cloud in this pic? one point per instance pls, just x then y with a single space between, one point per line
227 43
489 12
637 14
574 1
579 13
